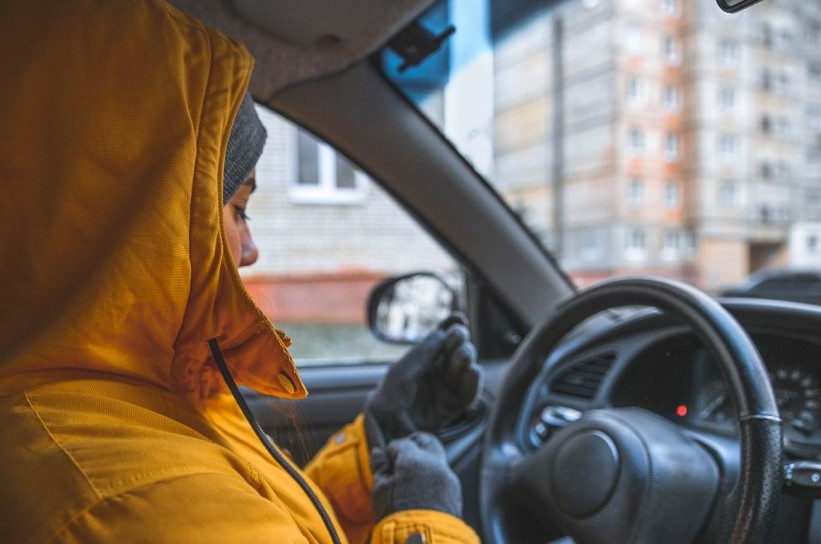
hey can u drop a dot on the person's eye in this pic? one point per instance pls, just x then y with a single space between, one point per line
240 212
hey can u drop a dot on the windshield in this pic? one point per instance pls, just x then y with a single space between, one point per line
639 136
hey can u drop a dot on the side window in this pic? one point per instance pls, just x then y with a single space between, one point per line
326 235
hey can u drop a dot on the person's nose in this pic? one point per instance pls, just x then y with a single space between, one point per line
250 253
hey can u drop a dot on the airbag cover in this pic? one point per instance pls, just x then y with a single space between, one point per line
585 473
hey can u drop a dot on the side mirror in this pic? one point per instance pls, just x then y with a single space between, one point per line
403 309
732 6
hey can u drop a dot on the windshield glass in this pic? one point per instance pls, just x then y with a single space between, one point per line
639 136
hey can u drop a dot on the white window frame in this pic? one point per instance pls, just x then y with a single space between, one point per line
727 98
635 91
670 244
672 195
591 245
671 49
636 140
670 7
326 192
729 146
782 83
633 250
728 52
783 128
813 117
690 242
636 191
671 98
812 243
727 194
814 75
672 146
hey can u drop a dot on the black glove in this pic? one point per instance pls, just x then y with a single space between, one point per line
412 473
428 388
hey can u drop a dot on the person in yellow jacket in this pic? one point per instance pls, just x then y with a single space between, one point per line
121 301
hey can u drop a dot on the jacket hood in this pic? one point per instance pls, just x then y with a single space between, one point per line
114 119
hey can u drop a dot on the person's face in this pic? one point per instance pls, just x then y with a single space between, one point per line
240 242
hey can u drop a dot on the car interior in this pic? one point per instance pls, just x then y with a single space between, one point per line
638 410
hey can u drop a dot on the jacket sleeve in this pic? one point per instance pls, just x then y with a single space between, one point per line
342 469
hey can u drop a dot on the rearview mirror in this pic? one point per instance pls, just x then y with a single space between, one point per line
732 6
404 309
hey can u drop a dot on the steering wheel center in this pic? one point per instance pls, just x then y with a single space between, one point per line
585 472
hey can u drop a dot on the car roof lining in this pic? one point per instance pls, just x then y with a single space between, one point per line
298 40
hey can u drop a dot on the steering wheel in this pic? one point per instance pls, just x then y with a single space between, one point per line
627 475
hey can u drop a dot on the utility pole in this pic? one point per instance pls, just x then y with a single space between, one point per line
557 130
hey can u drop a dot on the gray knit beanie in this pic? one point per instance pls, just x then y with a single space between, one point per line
244 148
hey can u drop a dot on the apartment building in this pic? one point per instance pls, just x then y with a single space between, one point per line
686 143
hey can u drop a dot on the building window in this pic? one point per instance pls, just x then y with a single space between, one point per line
766 170
690 241
670 7
728 194
813 32
636 239
766 34
813 201
591 245
814 75
728 52
635 242
671 98
783 127
785 38
766 124
812 243
783 170
323 176
670 243
728 146
814 117
781 83
726 98
766 80
671 195
636 141
634 39
670 50
635 193
671 146
635 90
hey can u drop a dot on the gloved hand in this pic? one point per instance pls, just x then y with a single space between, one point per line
428 388
412 473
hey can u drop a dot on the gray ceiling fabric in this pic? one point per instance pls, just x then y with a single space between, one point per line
297 40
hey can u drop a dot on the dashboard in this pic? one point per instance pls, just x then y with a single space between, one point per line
676 377
647 360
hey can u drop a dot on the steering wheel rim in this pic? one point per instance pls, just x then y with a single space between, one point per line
760 477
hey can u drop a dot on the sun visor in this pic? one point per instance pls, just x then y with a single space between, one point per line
295 40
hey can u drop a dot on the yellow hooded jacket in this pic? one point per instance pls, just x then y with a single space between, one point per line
114 274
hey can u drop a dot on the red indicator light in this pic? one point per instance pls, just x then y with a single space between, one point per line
681 410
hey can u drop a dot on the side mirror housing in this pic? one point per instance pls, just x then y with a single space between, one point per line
403 309
733 6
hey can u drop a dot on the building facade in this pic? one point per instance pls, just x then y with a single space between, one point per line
687 139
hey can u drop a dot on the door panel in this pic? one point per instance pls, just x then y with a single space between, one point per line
337 393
